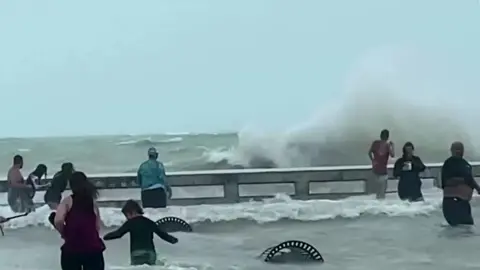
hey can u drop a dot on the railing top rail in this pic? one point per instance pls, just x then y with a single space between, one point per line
267 170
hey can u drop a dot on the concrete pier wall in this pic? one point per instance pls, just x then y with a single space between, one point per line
233 186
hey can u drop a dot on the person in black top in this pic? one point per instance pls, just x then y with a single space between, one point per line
141 229
407 169
33 180
53 195
458 183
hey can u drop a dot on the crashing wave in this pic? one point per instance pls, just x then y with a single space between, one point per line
275 209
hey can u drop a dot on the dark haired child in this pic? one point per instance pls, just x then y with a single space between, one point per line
141 229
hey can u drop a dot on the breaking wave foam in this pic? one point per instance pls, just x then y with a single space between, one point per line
149 142
401 89
279 208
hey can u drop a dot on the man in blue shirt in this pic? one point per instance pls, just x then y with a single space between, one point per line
153 182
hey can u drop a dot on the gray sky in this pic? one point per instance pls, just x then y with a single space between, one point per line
109 67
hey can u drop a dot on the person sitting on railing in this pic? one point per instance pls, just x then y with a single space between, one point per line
407 169
153 182
458 184
379 152
53 195
17 188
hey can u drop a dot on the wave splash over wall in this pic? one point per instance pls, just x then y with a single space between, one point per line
391 87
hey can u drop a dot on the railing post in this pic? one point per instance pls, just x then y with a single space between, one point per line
302 188
230 188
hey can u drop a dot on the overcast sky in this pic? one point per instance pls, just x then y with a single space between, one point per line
151 66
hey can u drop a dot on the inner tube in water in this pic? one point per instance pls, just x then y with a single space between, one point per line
174 224
292 251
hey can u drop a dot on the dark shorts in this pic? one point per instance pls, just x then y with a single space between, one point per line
88 261
141 257
52 197
154 198
457 211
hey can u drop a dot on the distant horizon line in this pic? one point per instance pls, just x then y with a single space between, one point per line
119 134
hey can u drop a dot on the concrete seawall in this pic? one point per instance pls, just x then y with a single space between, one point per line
233 186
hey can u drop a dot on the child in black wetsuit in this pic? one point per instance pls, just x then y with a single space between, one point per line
141 229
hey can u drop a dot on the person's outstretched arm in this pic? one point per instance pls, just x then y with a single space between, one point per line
164 235
118 233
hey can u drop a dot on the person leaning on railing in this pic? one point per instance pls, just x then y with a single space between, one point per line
153 182
458 183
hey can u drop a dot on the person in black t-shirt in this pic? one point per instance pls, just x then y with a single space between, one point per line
407 169
458 184
53 195
141 229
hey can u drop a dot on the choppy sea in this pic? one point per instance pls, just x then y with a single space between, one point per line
189 151
353 233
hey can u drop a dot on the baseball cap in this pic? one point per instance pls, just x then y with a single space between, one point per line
152 151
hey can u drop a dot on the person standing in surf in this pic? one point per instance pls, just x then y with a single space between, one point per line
17 189
407 169
141 229
53 195
153 182
379 153
33 180
458 183
78 221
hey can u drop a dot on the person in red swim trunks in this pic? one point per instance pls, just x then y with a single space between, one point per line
78 222
379 153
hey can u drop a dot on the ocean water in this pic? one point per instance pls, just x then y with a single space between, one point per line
183 152
354 233
388 86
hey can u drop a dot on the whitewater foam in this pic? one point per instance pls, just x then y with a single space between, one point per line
149 141
389 87
280 207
